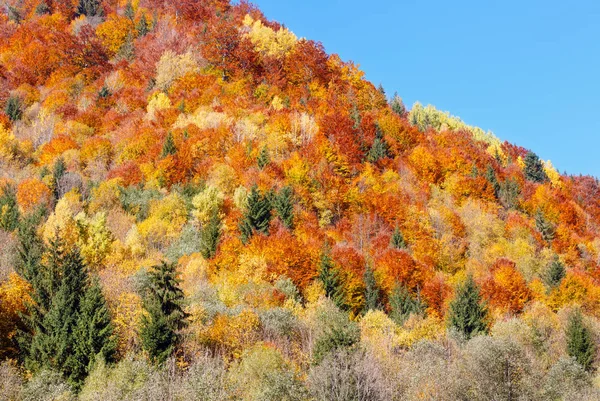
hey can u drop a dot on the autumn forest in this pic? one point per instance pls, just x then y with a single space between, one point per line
197 204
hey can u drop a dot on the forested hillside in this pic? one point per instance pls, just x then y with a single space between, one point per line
197 204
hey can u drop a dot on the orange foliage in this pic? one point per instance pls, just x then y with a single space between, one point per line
32 193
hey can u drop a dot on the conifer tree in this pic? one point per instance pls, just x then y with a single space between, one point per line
379 149
330 279
13 108
169 147
556 272
58 171
398 105
534 169
142 26
263 158
163 299
490 175
42 8
544 226
129 12
580 341
372 291
403 304
9 210
257 216
397 240
467 312
210 235
285 207
90 8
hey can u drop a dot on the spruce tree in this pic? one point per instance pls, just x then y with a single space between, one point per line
142 26
169 147
263 158
42 8
398 105
90 8
467 313
9 210
58 171
284 206
13 108
372 291
544 226
403 304
129 12
379 149
534 169
556 272
257 216
163 299
580 341
490 175
397 240
210 235
329 277
93 336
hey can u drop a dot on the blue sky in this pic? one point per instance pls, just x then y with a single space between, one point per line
527 70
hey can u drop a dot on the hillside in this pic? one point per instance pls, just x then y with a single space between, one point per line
197 204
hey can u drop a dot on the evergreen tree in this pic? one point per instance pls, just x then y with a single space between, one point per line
330 279
13 108
372 291
490 175
580 341
544 226
284 205
397 240
42 8
142 26
534 169
556 272
257 216
403 304
467 312
210 235
379 149
263 158
129 12
90 8
9 210
398 105
509 193
93 336
58 171
163 299
169 147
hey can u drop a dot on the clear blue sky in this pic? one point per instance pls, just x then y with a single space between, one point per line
528 70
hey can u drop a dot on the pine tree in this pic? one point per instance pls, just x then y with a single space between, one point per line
379 149
534 169
163 299
129 12
257 216
42 8
93 336
490 175
142 26
58 171
284 207
544 226
397 240
403 304
580 341
330 279
467 312
210 235
556 272
169 147
263 158
509 193
90 8
372 291
398 105
13 108
9 210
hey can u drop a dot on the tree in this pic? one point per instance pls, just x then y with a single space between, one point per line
257 216
397 239
93 336
263 158
534 169
467 313
129 12
403 304
9 211
544 226
13 108
58 171
556 272
169 147
163 299
580 341
90 8
372 291
284 206
142 27
397 105
329 277
210 235
379 149
490 175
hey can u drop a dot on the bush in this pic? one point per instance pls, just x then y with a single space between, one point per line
334 331
206 380
47 386
278 322
11 382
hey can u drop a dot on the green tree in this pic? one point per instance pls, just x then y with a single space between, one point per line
263 158
42 8
556 272
257 216
534 169
129 12
397 240
373 297
468 314
13 108
403 304
490 175
58 171
329 277
509 193
169 147
210 235
379 149
9 210
580 341
142 26
397 105
284 206
90 8
164 317
544 226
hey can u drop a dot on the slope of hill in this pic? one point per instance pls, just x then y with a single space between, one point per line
329 243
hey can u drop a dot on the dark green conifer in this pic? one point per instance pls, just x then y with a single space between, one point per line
556 272
42 8
257 216
58 171
13 108
90 8
284 206
534 169
263 158
397 240
373 293
544 226
129 12
169 147
403 304
580 341
490 174
9 210
398 105
142 26
210 235
468 314
379 149
329 277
